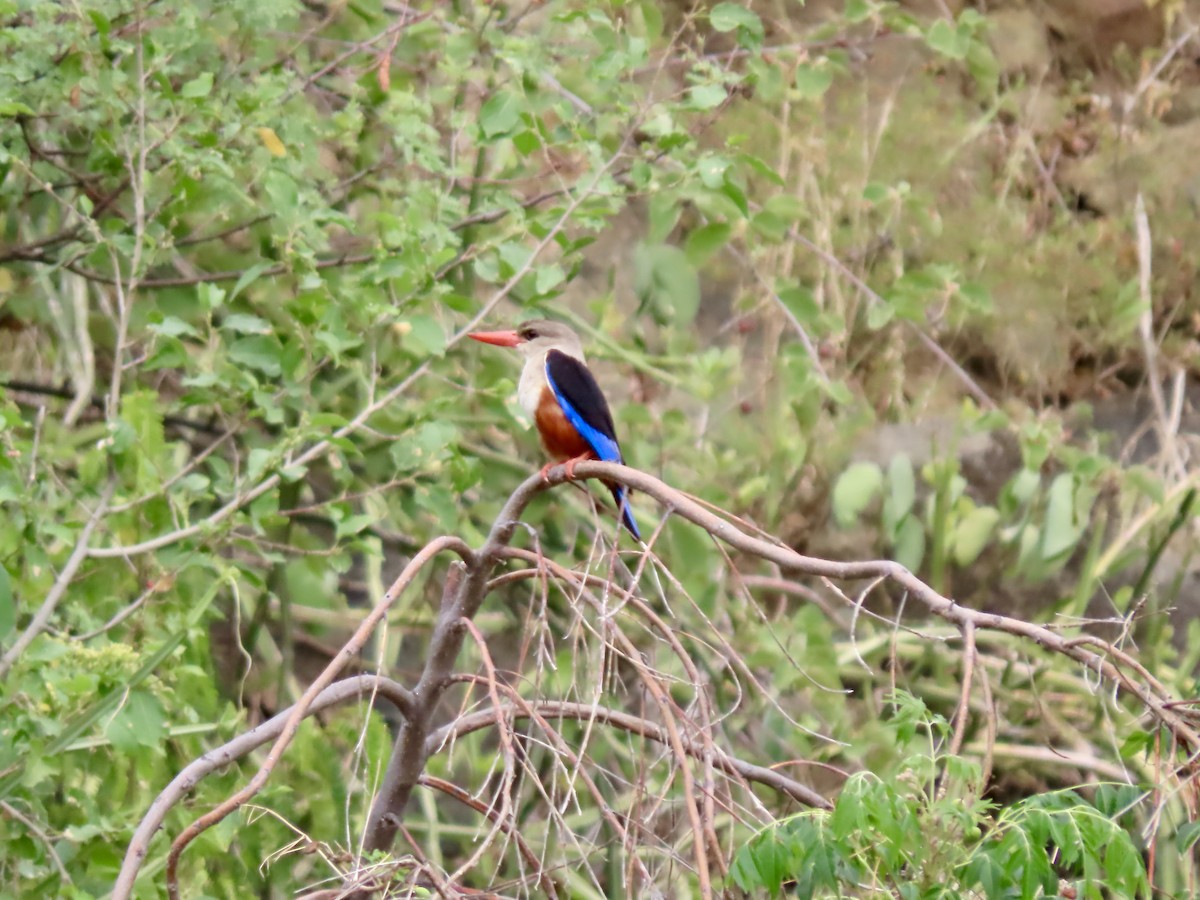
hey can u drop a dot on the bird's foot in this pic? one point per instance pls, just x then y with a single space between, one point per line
545 471
571 463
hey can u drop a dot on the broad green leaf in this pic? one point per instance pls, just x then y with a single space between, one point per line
14 108
500 115
1187 836
1059 532
173 326
140 722
667 282
854 490
813 80
423 336
802 304
706 240
260 352
902 490
549 277
246 324
728 16
706 96
247 278
200 86
947 40
972 533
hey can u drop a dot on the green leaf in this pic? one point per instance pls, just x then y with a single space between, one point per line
854 490
200 86
172 326
423 336
500 115
548 278
908 545
972 533
902 490
802 304
813 80
247 278
8 609
257 462
260 352
14 108
1187 836
665 281
352 525
947 40
139 723
706 96
663 212
706 240
728 16
879 314
1059 532
857 11
246 324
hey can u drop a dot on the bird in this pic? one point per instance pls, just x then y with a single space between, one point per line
558 391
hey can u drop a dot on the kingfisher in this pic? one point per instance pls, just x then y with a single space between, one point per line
558 391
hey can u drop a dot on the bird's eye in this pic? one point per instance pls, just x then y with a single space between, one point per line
527 334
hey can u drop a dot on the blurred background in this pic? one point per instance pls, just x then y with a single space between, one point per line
912 280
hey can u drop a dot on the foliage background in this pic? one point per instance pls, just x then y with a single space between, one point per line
875 277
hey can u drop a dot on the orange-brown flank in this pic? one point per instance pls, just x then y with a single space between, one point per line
560 438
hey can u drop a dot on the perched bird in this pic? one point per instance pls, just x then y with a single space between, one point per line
561 395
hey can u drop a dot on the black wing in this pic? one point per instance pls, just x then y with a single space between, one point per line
583 403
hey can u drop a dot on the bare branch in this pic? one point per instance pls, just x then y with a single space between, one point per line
1110 663
298 712
182 784
561 709
463 797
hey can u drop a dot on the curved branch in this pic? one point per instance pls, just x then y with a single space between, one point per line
453 790
1107 662
350 649
562 709
182 784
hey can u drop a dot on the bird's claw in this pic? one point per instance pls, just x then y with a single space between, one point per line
570 464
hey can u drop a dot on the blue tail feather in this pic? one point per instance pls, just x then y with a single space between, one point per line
621 495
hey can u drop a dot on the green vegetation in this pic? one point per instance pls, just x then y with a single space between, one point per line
858 275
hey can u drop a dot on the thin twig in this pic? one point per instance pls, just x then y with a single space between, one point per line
964 703
453 790
185 782
562 709
298 712
61 583
37 831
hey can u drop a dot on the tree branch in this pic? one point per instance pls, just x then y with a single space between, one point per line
562 709
182 784
349 650
61 583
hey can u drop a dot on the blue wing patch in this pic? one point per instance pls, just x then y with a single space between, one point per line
603 445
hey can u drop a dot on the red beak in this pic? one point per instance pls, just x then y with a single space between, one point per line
499 338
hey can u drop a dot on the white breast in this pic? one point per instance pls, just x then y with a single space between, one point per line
533 379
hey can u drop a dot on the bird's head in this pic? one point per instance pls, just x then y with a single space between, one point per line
534 338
